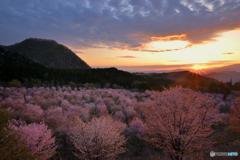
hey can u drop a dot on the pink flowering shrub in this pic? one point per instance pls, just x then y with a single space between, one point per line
234 118
101 138
55 118
37 137
16 104
136 128
32 113
119 116
180 122
176 120
135 136
11 148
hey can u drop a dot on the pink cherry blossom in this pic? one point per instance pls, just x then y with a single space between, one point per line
37 137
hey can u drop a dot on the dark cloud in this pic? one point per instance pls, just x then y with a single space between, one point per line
115 23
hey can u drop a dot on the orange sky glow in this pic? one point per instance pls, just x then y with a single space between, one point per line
132 35
164 53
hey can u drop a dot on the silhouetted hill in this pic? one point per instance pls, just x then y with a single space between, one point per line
225 76
233 67
193 80
48 53
15 66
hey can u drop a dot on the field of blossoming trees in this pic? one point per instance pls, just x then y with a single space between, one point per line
64 123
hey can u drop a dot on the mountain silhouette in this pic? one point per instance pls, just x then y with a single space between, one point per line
229 73
45 62
48 53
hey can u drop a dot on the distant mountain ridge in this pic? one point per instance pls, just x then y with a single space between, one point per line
16 67
48 53
25 62
233 67
225 74
191 80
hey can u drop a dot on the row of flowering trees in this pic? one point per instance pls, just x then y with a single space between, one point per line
100 122
101 138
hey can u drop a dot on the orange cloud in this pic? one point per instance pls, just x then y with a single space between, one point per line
156 43
170 37
127 57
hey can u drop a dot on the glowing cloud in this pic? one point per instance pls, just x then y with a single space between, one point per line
165 46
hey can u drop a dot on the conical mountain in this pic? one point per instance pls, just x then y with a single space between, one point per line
48 53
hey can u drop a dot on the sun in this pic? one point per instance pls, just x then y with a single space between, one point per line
199 68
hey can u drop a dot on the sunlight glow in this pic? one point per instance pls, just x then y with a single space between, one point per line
198 67
176 51
169 45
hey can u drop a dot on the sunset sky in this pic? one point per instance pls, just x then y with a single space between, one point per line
134 35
